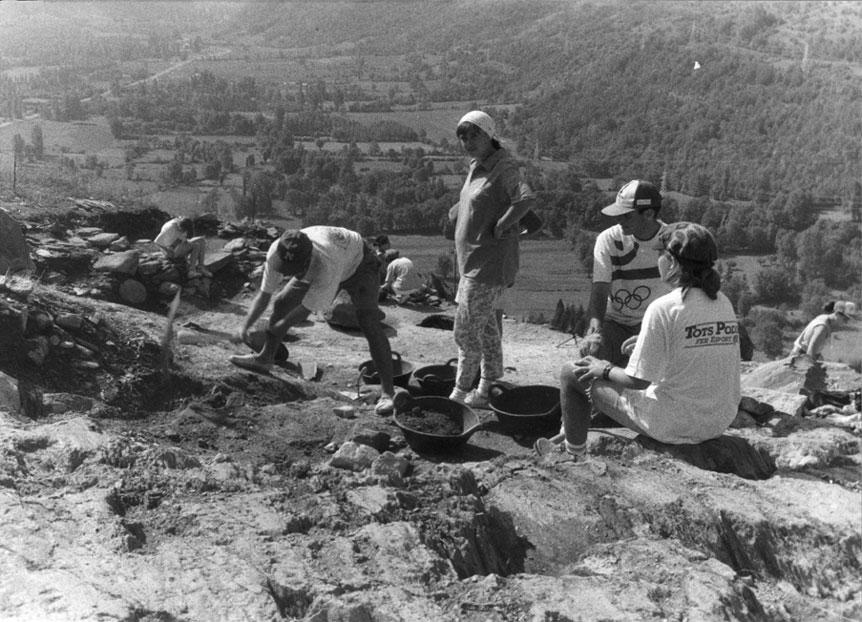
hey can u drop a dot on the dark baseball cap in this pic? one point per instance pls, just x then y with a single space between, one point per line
294 251
634 196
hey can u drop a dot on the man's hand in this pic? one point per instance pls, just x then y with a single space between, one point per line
591 344
589 368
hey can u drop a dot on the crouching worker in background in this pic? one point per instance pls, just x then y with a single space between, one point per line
401 281
319 261
178 244
817 333
682 382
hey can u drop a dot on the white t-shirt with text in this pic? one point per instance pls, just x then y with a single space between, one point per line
689 350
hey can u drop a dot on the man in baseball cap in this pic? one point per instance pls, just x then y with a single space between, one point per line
625 271
318 262
635 196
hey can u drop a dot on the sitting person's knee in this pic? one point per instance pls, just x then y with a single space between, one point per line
568 375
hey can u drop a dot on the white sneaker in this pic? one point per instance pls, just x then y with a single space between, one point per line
475 399
385 406
545 446
457 395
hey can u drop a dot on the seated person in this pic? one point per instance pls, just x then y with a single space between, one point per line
682 383
401 280
176 245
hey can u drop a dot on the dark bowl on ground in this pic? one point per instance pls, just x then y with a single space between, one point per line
401 372
437 379
531 408
426 442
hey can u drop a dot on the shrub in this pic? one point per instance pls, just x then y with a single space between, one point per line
814 295
775 285
766 329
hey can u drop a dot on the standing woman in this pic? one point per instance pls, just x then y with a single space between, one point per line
492 202
682 382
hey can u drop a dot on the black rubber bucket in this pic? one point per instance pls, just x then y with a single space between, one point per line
401 372
437 379
461 417
532 408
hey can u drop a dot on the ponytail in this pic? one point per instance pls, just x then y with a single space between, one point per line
694 275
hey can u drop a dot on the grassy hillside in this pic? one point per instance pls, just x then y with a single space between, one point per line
612 86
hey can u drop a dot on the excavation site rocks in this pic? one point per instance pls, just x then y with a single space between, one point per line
143 477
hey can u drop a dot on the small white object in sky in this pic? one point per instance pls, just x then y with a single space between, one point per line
696 65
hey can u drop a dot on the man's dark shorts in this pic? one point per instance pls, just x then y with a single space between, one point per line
613 336
364 285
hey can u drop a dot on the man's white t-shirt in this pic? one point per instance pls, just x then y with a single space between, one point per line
170 234
336 254
630 266
689 351
401 275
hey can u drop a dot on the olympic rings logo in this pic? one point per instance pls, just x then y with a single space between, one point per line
631 300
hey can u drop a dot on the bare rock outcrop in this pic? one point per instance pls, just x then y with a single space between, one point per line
213 493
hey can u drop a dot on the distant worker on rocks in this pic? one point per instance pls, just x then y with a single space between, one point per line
492 203
625 272
817 333
402 282
682 383
319 261
178 244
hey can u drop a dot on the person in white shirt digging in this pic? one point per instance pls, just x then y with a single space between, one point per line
319 261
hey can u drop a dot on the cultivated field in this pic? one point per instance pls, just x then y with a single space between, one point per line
548 273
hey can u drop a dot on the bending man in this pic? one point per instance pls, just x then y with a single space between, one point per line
319 262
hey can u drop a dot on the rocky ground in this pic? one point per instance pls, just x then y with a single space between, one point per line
145 478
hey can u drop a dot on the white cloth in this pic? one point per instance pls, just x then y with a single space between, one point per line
335 255
689 351
630 266
171 234
402 277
